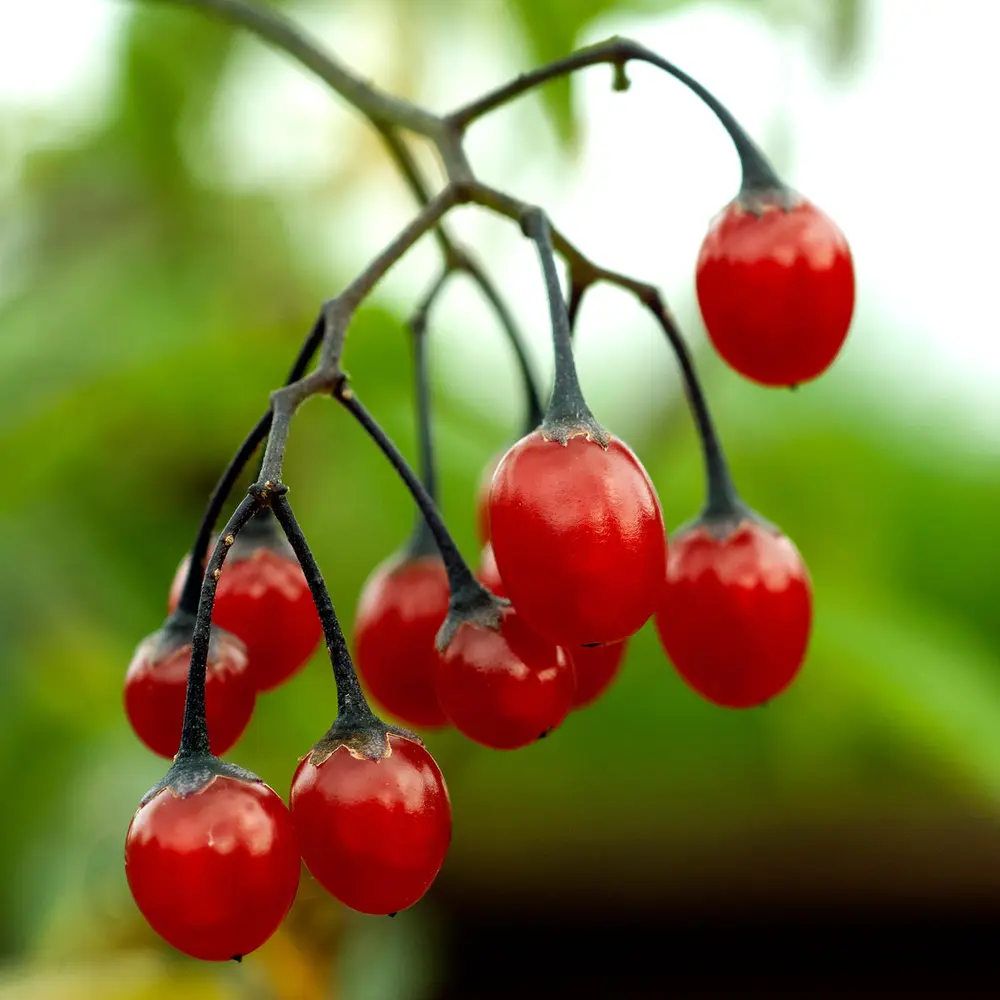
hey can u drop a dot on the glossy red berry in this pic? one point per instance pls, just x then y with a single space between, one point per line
776 289
736 612
156 687
505 688
400 611
213 872
374 833
596 668
483 498
577 532
263 598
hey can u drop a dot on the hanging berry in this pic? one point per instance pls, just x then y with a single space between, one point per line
213 870
775 285
374 826
736 612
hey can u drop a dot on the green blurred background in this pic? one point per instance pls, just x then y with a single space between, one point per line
171 216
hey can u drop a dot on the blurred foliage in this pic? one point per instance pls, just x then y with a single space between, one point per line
153 308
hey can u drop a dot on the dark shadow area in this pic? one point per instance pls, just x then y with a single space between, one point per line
815 954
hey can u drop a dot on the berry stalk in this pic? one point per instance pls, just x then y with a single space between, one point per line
470 601
422 540
194 731
722 501
567 412
351 703
758 174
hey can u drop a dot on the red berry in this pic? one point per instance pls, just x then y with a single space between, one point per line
776 290
488 574
578 536
156 687
483 498
736 612
373 833
596 667
263 598
214 872
401 608
505 688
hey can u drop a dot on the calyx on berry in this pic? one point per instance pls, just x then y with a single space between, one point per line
362 733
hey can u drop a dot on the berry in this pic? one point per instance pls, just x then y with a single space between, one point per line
776 288
263 598
504 688
156 687
401 608
596 667
577 532
373 833
213 872
483 498
736 611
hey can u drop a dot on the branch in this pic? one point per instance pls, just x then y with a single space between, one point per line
458 258
194 730
340 310
758 174
191 591
352 705
280 32
389 114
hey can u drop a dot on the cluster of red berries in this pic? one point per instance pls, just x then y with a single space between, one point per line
574 541
215 870
575 561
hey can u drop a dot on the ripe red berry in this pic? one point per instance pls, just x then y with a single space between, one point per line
263 598
505 688
156 687
373 833
596 667
776 288
483 498
400 611
577 532
214 872
736 612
